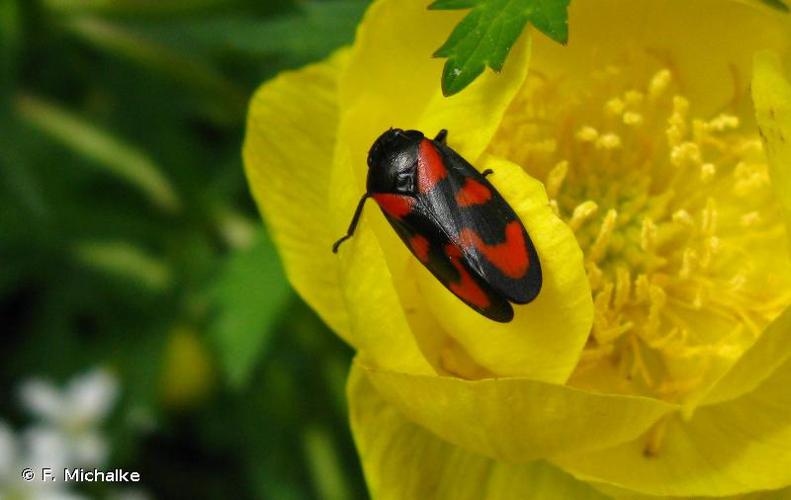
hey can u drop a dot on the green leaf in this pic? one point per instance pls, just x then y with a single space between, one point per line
101 148
324 464
249 294
485 36
308 34
777 4
10 37
130 7
225 99
124 260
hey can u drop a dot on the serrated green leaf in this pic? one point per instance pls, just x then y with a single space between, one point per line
485 36
453 4
249 294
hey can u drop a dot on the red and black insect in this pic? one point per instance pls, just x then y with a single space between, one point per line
453 220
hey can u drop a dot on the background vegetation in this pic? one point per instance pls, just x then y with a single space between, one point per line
128 240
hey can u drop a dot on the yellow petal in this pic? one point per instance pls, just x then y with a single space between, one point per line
378 324
772 98
545 338
769 352
392 80
734 447
515 419
402 460
708 44
288 151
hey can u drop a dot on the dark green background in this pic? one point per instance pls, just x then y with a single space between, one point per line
125 218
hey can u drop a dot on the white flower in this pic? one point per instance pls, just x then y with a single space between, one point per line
38 447
74 413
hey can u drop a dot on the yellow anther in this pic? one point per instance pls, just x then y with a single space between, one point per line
614 106
601 303
632 118
686 153
723 122
648 235
680 106
623 287
599 246
587 134
689 262
555 178
677 122
683 217
707 172
659 83
750 177
609 141
582 213
656 303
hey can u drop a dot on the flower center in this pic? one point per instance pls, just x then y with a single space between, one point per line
684 246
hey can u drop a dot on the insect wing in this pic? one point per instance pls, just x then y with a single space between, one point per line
445 261
483 227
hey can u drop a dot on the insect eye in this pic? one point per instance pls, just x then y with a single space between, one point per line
405 181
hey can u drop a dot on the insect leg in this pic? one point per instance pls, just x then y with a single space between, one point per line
442 136
353 225
487 172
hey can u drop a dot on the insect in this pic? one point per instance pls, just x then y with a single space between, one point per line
453 220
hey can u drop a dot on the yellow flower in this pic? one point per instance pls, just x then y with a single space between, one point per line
655 360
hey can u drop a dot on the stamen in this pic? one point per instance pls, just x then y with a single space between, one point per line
632 118
685 200
685 154
603 238
608 141
555 178
659 83
707 172
582 213
587 134
615 106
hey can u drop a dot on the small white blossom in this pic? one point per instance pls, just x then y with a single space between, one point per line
75 413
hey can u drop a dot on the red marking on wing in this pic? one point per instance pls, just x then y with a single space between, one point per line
395 205
420 246
510 256
466 287
430 168
472 193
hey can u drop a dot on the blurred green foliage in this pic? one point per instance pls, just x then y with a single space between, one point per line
128 239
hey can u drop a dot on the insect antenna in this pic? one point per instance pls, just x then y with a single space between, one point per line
353 225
